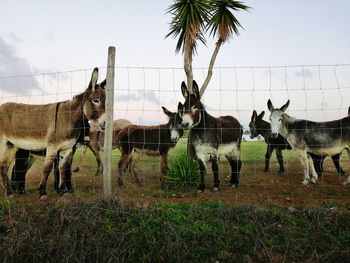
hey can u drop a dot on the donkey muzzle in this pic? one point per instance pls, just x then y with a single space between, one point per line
185 125
96 126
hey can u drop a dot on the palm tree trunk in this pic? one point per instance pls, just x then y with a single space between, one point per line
211 65
188 65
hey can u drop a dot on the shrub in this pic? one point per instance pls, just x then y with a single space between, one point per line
183 172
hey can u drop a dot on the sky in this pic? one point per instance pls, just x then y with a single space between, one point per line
270 59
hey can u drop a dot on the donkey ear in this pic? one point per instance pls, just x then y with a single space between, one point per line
184 90
167 112
94 78
270 106
254 115
195 89
179 107
261 115
103 84
285 106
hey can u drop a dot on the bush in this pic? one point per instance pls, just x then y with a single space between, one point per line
183 172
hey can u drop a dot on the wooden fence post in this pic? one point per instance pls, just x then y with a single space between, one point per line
107 148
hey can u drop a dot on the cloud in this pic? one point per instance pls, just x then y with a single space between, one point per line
148 95
13 65
306 73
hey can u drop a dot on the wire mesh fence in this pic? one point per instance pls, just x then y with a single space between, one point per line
316 92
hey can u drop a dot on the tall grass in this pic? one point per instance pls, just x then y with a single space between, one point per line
183 172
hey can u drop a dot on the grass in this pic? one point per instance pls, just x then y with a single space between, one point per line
183 172
167 232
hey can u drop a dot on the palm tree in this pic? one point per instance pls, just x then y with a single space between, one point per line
191 18
224 25
188 24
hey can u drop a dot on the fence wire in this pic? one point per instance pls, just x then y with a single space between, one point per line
316 92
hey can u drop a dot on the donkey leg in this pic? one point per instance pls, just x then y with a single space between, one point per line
268 153
215 169
122 166
305 163
23 162
279 157
56 173
318 163
99 164
64 163
313 171
81 158
47 167
7 156
68 171
335 159
5 180
202 169
236 165
131 167
163 167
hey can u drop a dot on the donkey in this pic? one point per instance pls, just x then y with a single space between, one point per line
95 144
210 135
152 140
258 126
320 138
54 127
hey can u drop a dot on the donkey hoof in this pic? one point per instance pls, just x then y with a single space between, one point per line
314 180
10 196
43 198
234 185
215 189
346 183
305 182
199 191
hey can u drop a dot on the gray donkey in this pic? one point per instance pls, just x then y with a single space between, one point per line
320 138
52 127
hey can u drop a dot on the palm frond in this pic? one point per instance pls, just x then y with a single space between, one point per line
222 21
189 18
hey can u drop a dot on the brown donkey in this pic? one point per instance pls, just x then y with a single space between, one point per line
153 140
54 127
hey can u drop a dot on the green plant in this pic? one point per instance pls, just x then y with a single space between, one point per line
183 172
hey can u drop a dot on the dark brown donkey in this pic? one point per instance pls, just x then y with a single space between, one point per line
153 140
54 127
210 135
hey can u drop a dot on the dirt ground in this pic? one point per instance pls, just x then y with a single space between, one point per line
256 187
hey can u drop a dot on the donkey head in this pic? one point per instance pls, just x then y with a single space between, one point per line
254 123
191 110
276 118
176 130
94 102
